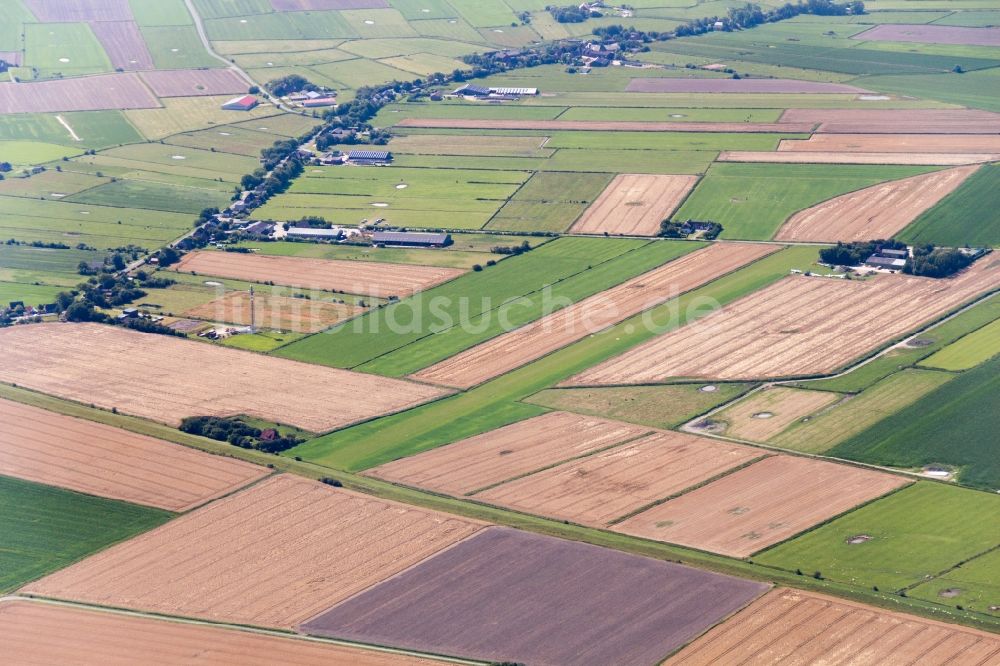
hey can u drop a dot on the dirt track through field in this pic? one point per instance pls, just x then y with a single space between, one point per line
634 205
605 125
800 325
760 505
505 595
879 211
98 459
516 348
600 488
282 313
804 157
894 143
166 379
369 278
273 555
34 632
502 454
896 121
795 627
766 413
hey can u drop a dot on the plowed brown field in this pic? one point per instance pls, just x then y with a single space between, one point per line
354 277
879 211
795 627
166 378
273 555
511 350
101 460
634 205
798 326
894 143
897 121
804 157
605 125
33 632
600 488
84 93
193 82
736 86
123 43
760 505
766 413
278 312
506 453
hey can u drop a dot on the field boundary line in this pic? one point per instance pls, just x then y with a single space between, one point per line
945 572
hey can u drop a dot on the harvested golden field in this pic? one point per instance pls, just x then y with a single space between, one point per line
369 278
634 205
485 460
34 632
801 325
282 313
606 125
894 143
166 378
795 627
897 121
273 555
599 488
825 157
760 505
879 211
523 345
764 414
98 459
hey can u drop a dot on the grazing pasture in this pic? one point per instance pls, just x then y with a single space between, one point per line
551 602
634 205
600 488
954 425
969 351
97 459
574 322
803 627
273 555
45 528
181 378
507 453
94 129
54 634
56 50
657 406
799 326
898 551
367 278
549 201
766 413
751 201
150 195
974 585
85 93
760 505
964 217
879 211
280 313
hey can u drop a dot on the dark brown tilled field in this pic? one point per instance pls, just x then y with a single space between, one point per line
507 595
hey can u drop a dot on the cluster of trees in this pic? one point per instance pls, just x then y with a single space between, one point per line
50 246
572 14
855 253
238 433
525 246
676 229
289 84
751 14
928 261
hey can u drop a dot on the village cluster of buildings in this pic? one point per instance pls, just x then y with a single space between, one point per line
335 234
312 99
470 91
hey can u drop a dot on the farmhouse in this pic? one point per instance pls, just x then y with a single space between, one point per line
888 259
410 239
369 157
243 103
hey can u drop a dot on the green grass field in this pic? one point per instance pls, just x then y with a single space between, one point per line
495 403
154 196
915 533
177 47
29 153
63 49
968 352
550 201
751 201
967 216
954 425
850 417
447 258
161 12
974 585
45 528
664 406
